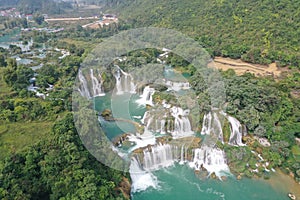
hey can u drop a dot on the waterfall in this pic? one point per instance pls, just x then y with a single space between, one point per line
236 131
145 117
159 156
206 125
183 154
83 87
163 155
118 82
212 126
154 122
176 86
211 159
182 125
146 97
96 84
141 180
159 121
162 126
124 82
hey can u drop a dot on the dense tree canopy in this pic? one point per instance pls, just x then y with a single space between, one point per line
256 31
58 169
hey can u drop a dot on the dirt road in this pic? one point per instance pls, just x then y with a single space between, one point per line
240 67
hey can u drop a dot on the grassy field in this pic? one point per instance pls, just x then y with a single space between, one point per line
16 136
296 152
80 44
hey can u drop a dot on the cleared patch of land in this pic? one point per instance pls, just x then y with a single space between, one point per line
15 136
240 67
69 19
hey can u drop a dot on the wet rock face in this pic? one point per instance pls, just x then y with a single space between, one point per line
121 140
125 187
107 115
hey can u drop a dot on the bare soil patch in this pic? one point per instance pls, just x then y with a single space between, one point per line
240 67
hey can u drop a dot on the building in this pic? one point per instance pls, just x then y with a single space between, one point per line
109 17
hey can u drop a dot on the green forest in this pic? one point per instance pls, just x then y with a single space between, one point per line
37 6
257 31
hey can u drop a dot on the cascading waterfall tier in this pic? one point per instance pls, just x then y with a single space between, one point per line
176 86
124 82
159 156
173 120
141 179
236 131
165 155
211 159
212 126
83 87
146 97
182 125
96 84
92 87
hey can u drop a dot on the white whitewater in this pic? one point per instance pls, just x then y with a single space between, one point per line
118 82
211 159
146 97
236 131
182 125
145 117
142 140
165 155
159 156
124 82
141 180
206 125
159 121
162 127
83 88
96 85
212 126
177 86
183 154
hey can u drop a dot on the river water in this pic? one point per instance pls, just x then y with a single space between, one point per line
180 181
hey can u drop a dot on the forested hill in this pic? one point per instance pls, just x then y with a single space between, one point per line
259 31
32 6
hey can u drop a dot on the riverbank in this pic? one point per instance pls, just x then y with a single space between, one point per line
285 183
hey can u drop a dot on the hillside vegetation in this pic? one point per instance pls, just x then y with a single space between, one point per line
258 31
33 6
